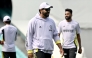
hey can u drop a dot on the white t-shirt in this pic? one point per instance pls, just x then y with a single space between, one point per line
9 36
69 31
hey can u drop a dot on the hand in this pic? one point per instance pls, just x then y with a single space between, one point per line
80 51
30 55
62 52
1 42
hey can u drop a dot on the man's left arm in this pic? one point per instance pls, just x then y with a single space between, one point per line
79 41
79 38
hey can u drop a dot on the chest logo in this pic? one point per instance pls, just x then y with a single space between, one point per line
40 27
72 26
63 26
50 28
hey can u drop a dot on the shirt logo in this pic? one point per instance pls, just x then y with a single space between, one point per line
63 26
66 30
47 4
50 28
40 27
72 26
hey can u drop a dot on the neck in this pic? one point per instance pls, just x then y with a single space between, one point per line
7 24
43 16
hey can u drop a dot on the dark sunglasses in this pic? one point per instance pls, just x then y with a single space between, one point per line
47 9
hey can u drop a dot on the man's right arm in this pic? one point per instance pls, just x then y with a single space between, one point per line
59 34
29 38
16 36
59 29
0 35
1 42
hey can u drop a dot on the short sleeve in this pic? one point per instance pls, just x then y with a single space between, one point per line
59 28
78 29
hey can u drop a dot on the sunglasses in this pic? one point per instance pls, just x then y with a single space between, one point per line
46 9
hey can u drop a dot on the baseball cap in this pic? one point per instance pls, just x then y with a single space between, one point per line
45 5
6 18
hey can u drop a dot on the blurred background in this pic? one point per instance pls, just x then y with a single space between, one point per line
21 11
5 8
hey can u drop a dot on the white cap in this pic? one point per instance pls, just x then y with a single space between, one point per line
6 18
45 5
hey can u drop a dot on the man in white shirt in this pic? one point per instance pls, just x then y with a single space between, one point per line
40 34
70 30
9 33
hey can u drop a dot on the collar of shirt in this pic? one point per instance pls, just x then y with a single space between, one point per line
40 18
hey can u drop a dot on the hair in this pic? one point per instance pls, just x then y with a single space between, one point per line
8 22
69 10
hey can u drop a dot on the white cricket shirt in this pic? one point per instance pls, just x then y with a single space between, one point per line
69 31
9 36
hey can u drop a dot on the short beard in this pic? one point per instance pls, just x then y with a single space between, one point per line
68 18
45 15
